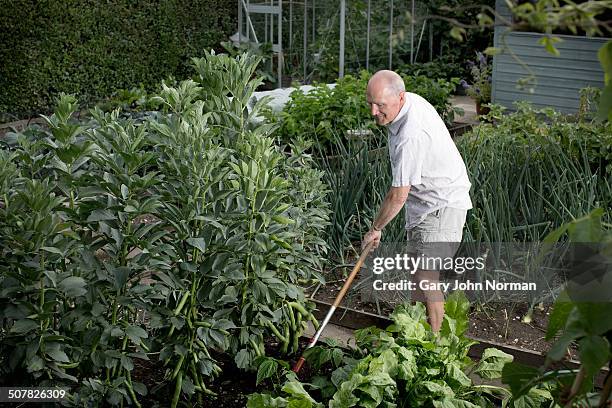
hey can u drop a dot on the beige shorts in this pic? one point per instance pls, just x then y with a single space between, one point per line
437 236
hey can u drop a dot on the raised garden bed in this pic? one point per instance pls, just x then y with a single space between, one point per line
359 319
496 322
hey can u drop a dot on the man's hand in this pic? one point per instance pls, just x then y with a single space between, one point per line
372 235
392 204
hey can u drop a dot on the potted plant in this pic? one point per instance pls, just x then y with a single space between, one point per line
480 89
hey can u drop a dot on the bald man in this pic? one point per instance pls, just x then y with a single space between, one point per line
429 181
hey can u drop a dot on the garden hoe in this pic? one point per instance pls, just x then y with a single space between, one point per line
347 284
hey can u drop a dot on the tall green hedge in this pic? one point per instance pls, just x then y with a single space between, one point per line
92 48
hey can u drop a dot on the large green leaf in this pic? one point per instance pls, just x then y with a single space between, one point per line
456 375
558 316
24 326
199 243
243 359
535 398
410 325
492 363
519 377
296 390
73 286
101 215
35 364
588 228
136 333
594 353
407 367
122 274
127 363
344 397
58 355
53 250
266 369
438 388
386 363
457 307
559 348
453 403
595 318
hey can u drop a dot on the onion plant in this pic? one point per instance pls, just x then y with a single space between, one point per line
358 174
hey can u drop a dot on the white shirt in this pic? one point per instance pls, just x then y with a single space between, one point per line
424 156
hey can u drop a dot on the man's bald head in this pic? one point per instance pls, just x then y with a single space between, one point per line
387 80
385 95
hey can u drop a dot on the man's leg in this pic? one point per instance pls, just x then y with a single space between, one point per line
437 236
429 293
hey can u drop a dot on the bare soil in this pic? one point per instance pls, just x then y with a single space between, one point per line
232 388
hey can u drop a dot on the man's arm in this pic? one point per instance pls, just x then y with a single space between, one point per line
392 204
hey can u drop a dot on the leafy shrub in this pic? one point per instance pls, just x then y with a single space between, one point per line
69 280
405 365
438 69
437 92
91 49
324 114
191 217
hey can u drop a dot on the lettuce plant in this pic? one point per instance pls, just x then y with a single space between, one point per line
406 365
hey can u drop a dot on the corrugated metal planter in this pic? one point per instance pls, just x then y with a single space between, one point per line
558 78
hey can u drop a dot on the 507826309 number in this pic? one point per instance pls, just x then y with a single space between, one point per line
32 394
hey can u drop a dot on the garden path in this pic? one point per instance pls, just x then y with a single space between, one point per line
469 107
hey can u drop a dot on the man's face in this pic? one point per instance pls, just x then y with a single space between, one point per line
384 104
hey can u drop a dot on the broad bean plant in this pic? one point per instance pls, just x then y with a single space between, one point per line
174 237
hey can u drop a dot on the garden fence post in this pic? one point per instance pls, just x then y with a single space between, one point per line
412 34
418 48
431 42
280 43
341 57
391 37
367 61
239 22
314 21
305 35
